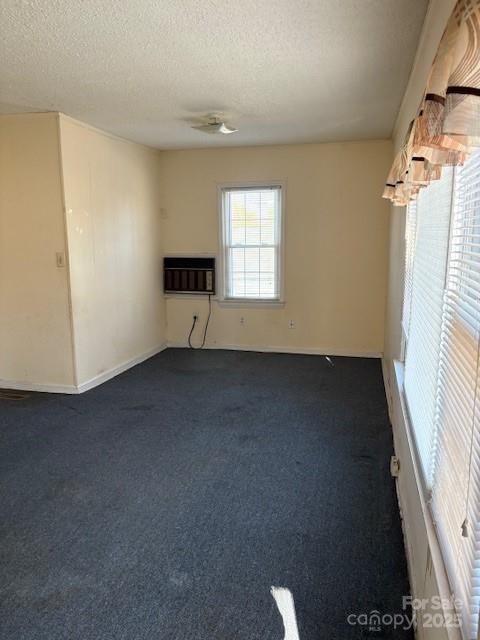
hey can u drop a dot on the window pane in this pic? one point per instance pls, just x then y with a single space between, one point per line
252 285
267 259
238 285
253 201
267 231
238 231
237 205
237 260
252 217
268 203
267 285
252 260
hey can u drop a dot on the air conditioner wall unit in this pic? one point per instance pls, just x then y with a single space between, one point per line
192 275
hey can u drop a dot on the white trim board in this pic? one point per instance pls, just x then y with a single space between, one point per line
310 351
35 386
115 371
414 509
84 386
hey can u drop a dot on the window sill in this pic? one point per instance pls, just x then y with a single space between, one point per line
237 303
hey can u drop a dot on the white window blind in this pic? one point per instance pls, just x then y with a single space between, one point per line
251 220
426 305
456 474
410 232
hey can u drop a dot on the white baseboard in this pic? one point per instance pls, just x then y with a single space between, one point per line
33 386
388 389
115 371
314 351
84 386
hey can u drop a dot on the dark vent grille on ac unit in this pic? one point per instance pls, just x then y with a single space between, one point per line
189 275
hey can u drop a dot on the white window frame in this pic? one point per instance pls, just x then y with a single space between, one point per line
223 299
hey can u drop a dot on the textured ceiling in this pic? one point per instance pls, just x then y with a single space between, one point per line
283 70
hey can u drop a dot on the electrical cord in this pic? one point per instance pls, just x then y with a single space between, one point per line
195 318
191 331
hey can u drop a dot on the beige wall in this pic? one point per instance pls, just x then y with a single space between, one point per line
113 225
427 574
35 338
95 200
335 243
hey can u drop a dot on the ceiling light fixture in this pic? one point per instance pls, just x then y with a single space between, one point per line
215 124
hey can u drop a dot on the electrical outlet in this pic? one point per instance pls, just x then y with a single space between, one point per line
242 321
291 324
394 467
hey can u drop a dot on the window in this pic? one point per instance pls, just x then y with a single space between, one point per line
252 242
456 472
442 372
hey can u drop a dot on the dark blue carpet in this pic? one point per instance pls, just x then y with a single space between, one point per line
165 503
